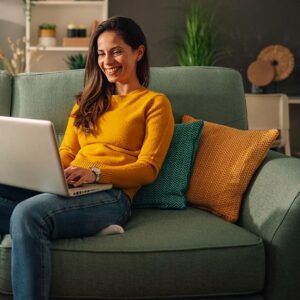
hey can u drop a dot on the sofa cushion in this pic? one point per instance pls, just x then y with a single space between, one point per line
6 91
170 186
161 253
211 93
224 165
43 95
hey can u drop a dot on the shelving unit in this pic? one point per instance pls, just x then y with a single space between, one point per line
60 13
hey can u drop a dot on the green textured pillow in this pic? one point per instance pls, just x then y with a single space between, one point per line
169 188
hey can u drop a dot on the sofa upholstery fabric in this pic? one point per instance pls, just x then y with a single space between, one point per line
169 188
49 96
197 254
205 95
5 93
206 256
225 163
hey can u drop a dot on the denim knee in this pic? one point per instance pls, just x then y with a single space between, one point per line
25 221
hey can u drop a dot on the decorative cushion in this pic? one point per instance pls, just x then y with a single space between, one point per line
170 186
224 165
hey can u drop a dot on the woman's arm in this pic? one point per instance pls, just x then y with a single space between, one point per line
70 145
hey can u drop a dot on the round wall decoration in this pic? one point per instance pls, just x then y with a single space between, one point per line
260 73
281 59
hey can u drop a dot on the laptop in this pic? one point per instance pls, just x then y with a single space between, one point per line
29 158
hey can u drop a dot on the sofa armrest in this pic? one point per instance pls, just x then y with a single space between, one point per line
271 209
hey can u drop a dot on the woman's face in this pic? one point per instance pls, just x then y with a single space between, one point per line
116 59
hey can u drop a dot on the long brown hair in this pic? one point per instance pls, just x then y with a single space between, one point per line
95 98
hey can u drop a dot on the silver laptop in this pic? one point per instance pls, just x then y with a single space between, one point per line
29 158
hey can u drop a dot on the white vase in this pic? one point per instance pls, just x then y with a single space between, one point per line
47 41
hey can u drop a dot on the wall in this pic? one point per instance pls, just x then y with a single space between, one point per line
12 22
244 27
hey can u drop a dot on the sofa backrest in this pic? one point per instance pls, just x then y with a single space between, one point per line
5 93
211 93
48 96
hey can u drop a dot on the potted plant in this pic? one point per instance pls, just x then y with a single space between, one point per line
198 46
47 35
76 61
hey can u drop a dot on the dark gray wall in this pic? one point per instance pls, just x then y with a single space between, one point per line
244 27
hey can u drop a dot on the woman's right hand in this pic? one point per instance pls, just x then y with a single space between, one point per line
77 176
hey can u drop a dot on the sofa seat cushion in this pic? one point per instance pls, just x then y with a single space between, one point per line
162 253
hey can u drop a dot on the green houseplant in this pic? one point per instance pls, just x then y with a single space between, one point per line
198 46
47 29
76 61
47 35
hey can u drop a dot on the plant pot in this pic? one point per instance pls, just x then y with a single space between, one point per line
47 41
47 33
47 37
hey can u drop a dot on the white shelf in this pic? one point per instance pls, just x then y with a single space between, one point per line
61 13
58 49
96 3
294 100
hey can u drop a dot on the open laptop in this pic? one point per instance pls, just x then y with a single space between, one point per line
29 158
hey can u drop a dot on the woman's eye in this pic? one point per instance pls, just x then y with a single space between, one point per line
117 52
100 54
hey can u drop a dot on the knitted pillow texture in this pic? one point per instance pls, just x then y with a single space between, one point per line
224 165
170 186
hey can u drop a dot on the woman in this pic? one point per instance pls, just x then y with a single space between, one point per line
118 132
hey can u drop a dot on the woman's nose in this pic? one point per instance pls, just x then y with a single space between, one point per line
108 59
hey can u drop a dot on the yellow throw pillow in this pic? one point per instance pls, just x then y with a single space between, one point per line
225 163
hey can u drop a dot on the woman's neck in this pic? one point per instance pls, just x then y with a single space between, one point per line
124 89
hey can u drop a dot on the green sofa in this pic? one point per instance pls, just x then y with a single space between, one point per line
174 253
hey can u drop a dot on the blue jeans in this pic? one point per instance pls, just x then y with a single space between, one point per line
35 219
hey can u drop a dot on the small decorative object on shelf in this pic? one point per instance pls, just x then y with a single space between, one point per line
16 64
71 31
281 58
81 31
76 31
77 35
67 40
76 41
260 73
274 63
47 35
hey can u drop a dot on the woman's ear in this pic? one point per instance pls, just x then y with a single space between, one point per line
140 52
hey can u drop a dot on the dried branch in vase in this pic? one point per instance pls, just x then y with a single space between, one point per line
16 64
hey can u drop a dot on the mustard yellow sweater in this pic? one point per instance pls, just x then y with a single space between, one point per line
131 143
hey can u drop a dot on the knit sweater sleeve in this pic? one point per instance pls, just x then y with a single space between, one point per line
69 146
158 135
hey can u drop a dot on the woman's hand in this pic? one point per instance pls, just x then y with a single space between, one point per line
77 176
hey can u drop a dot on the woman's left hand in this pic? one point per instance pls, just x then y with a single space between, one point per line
77 176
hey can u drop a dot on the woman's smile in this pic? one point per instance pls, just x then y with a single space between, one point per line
118 61
113 71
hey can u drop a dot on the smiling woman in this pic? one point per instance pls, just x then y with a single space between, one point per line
118 132
118 60
123 60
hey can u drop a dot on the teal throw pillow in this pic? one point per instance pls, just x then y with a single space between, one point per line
170 186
